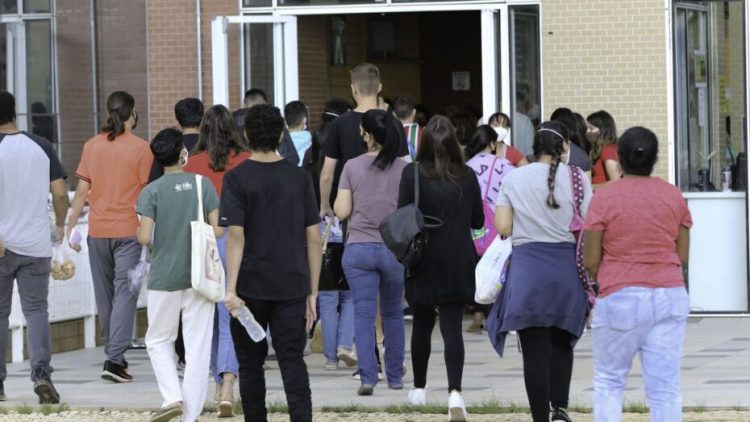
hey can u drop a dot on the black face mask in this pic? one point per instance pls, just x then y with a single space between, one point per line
135 119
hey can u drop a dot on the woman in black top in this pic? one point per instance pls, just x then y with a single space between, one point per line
445 278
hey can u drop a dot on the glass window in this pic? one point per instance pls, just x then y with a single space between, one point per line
256 3
4 58
525 75
710 97
37 6
39 79
8 6
327 2
259 61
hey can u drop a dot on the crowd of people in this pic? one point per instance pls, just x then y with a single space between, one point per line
272 189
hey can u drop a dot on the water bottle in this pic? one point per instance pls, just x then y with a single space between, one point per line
246 318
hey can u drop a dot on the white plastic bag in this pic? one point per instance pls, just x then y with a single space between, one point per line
138 275
490 269
63 268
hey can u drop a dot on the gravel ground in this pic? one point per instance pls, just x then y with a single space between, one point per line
87 416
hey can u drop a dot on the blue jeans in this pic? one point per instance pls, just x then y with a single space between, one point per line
223 358
338 326
370 268
647 321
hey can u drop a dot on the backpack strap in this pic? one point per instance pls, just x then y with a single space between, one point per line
489 182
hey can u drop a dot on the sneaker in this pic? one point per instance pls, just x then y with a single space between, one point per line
168 413
347 356
457 408
357 377
332 365
399 386
2 391
117 373
559 414
408 315
475 327
46 391
365 390
418 396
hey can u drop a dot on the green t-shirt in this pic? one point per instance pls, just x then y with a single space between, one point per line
172 201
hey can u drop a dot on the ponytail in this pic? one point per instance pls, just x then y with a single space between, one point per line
551 202
549 140
387 133
120 107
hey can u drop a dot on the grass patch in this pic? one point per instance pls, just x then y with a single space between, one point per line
486 408
277 406
4 410
45 409
24 409
635 407
699 409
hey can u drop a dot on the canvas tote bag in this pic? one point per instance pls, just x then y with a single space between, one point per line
206 272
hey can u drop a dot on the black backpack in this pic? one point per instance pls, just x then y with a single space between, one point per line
404 231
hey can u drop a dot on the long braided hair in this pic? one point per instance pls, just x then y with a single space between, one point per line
549 140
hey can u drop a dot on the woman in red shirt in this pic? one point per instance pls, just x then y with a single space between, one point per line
220 148
602 134
636 245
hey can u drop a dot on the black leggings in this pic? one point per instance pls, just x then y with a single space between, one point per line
451 318
547 368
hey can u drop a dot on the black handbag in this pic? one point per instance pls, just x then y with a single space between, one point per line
404 231
331 272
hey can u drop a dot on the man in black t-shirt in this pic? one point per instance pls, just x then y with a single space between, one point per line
272 203
344 141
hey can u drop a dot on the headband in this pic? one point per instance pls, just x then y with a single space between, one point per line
544 129
331 114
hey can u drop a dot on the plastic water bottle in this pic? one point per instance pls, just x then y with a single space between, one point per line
255 330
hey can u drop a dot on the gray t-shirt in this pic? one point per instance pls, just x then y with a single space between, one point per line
28 164
525 190
374 196
579 158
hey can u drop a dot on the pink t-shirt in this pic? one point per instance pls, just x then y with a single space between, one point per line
640 218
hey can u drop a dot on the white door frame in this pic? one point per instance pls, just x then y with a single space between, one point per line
286 78
15 36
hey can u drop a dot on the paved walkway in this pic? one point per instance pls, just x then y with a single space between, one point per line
715 373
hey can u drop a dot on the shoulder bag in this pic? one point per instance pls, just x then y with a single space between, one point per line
404 231
576 227
206 271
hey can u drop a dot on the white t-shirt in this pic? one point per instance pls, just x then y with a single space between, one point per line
28 164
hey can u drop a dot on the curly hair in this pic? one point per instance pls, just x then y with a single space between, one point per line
263 127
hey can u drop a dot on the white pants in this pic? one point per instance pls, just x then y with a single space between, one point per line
197 330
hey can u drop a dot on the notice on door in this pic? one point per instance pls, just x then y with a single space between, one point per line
461 81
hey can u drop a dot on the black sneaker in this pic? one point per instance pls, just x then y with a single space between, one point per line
115 373
2 391
559 414
46 391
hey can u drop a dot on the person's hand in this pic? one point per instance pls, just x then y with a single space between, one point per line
75 246
233 303
59 234
326 212
310 315
2 248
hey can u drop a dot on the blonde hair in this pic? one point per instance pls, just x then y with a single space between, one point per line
366 77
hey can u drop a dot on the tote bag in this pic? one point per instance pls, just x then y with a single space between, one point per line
206 272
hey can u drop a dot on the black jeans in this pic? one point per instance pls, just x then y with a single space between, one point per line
547 368
287 322
451 318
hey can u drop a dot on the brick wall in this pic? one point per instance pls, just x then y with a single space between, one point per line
313 43
76 111
613 57
172 58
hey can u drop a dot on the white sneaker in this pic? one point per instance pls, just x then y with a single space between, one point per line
456 408
347 356
418 396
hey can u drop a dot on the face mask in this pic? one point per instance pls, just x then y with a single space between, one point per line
565 158
185 158
135 119
502 133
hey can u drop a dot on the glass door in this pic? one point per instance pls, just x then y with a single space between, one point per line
13 65
694 149
270 52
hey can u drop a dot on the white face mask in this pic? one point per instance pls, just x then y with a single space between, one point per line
185 158
502 133
565 158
